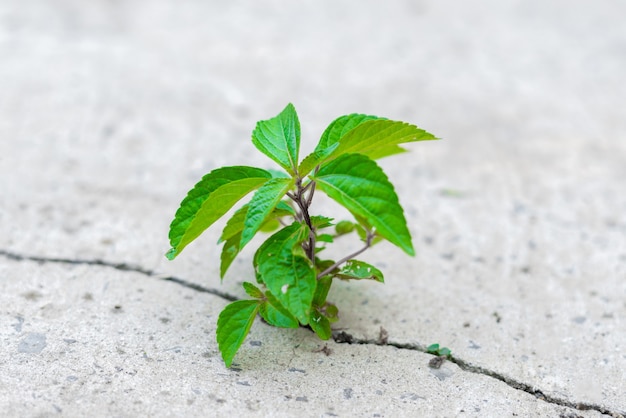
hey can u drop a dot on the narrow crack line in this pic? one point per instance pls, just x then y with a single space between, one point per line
126 267
343 337
199 288
90 262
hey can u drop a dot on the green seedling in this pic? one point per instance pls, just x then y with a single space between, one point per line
292 281
437 351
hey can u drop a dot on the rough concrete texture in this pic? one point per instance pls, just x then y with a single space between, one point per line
111 111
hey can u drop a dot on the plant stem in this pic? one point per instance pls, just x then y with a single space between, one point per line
304 203
309 247
310 198
368 243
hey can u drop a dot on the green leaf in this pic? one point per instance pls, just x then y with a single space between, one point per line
321 222
359 270
379 137
436 350
369 135
379 153
361 232
275 313
233 326
284 209
236 222
320 324
433 349
325 238
231 235
445 351
270 225
329 140
252 290
229 253
262 204
234 225
209 200
287 274
321 292
344 227
279 138
295 233
360 185
340 127
293 283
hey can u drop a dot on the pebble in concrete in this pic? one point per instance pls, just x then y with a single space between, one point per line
32 343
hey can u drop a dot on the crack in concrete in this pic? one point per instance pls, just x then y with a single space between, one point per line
121 267
340 337
343 337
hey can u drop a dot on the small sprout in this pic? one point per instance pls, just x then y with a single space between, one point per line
437 351
292 283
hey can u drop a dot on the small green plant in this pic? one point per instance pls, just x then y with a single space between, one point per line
437 351
292 282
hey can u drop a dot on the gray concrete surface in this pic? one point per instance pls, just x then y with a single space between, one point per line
110 111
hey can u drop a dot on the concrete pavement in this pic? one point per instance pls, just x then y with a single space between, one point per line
110 112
